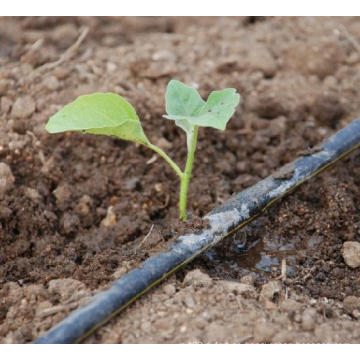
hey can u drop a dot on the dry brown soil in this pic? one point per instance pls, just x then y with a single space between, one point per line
75 208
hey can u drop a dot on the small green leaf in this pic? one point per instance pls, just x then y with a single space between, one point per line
219 108
182 99
185 106
99 113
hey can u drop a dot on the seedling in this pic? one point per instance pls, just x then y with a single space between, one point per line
110 114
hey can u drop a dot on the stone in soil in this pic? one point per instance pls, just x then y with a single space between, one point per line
63 195
169 289
351 254
32 194
197 278
66 288
5 105
70 223
23 107
308 319
4 85
351 303
51 83
110 218
6 179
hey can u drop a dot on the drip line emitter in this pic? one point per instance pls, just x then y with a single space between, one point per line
239 210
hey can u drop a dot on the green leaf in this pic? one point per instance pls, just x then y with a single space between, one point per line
182 99
219 108
99 113
185 106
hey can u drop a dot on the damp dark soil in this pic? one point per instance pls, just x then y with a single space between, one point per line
78 211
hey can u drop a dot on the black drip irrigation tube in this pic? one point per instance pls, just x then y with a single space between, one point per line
238 211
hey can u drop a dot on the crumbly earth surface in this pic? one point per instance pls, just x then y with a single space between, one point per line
75 209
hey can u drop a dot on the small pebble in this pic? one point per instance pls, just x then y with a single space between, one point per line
351 253
161 324
158 188
351 303
200 323
86 199
169 289
247 279
14 291
264 332
328 109
6 179
121 271
110 67
4 86
5 212
189 301
62 194
262 59
66 288
163 144
51 83
32 194
65 35
290 305
23 107
308 319
5 104
83 206
183 329
70 223
35 292
197 278
110 218
131 183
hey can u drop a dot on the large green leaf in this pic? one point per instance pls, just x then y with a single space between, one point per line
185 106
99 113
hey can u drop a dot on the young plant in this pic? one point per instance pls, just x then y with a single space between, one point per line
110 114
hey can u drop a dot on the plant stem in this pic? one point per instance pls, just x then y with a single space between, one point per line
184 176
162 153
185 179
